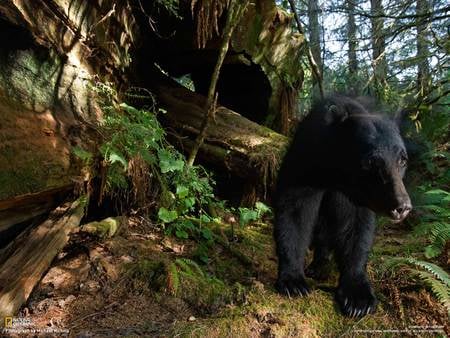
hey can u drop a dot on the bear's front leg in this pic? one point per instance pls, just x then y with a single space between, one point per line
354 294
296 214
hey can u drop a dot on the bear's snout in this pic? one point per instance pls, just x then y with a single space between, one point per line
400 212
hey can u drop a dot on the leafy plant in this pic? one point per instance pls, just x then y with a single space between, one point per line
431 274
247 215
171 6
83 155
435 220
131 133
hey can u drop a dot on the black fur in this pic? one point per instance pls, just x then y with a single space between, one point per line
343 165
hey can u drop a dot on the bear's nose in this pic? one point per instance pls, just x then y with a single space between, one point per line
401 211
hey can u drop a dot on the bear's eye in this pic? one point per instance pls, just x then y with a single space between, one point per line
403 161
370 163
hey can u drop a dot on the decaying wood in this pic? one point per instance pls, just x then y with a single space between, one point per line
246 149
104 229
235 12
25 207
25 267
46 75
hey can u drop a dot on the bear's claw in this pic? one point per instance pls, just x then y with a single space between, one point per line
356 300
293 287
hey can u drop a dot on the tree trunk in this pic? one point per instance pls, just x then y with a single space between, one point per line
50 51
352 45
378 47
423 68
314 37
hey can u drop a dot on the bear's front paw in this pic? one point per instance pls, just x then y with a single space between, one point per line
292 286
356 298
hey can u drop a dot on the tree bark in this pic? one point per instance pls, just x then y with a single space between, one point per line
314 39
423 68
352 43
378 47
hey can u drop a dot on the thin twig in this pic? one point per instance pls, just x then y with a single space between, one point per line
235 12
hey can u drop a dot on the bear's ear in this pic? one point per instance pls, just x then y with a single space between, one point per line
402 120
401 117
336 113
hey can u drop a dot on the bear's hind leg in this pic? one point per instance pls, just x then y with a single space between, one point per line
320 267
296 215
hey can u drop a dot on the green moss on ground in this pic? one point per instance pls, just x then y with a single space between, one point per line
263 312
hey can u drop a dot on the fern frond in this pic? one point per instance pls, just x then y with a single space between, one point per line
432 275
435 270
440 290
173 279
190 267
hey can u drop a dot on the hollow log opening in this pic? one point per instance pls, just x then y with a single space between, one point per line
249 96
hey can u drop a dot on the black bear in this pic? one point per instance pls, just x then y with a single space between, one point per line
344 164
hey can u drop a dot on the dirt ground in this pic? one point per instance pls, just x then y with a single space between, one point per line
141 283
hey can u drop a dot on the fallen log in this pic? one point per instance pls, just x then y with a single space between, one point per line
25 266
22 208
244 148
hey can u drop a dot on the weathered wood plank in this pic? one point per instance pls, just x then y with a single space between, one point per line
22 208
25 267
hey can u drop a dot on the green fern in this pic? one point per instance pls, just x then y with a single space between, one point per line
435 220
173 279
190 267
440 290
431 274
439 235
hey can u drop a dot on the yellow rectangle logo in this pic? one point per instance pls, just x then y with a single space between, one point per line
8 322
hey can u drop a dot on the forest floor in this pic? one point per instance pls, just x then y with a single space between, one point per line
142 283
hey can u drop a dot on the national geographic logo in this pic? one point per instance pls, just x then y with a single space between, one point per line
11 322
8 322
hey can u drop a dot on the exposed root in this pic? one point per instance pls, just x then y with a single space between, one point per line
207 14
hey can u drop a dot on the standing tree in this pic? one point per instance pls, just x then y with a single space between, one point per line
422 26
314 37
378 47
352 45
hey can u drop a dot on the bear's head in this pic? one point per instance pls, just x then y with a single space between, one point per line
374 161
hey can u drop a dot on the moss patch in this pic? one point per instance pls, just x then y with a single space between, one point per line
160 290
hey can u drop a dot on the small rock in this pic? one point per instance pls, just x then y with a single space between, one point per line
192 318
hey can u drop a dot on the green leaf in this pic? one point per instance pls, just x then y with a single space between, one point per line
205 218
182 191
167 216
129 109
246 215
82 154
181 234
117 157
207 234
168 162
262 208
432 251
189 202
435 196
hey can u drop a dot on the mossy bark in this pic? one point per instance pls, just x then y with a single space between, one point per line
51 50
